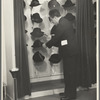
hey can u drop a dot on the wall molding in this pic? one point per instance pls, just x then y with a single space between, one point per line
41 79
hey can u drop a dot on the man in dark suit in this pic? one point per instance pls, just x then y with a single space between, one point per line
66 40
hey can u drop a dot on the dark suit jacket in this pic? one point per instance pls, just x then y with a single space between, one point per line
64 31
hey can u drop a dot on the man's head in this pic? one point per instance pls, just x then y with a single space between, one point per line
54 16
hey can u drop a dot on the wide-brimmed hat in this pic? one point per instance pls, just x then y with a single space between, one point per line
68 3
38 57
37 44
37 33
34 3
70 17
36 18
53 4
55 58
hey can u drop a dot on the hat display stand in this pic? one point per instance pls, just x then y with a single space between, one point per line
40 68
56 68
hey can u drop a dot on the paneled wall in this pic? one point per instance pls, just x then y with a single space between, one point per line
7 39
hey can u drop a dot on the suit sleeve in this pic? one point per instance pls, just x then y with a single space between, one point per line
59 32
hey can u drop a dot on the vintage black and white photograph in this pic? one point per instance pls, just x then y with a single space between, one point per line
49 50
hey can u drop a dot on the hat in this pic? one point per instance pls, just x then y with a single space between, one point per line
38 57
55 58
37 33
70 17
68 3
25 18
53 4
37 44
24 4
36 18
34 3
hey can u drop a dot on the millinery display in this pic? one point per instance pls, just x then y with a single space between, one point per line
39 29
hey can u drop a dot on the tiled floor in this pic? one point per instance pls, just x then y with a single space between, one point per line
81 95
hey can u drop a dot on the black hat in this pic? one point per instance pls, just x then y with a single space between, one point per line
36 18
34 3
25 18
70 17
37 33
53 4
38 57
37 44
55 58
68 3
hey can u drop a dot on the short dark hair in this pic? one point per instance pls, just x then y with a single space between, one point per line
54 13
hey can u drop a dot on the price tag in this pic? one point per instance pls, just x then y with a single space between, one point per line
64 42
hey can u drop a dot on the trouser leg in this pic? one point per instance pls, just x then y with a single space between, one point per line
69 67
